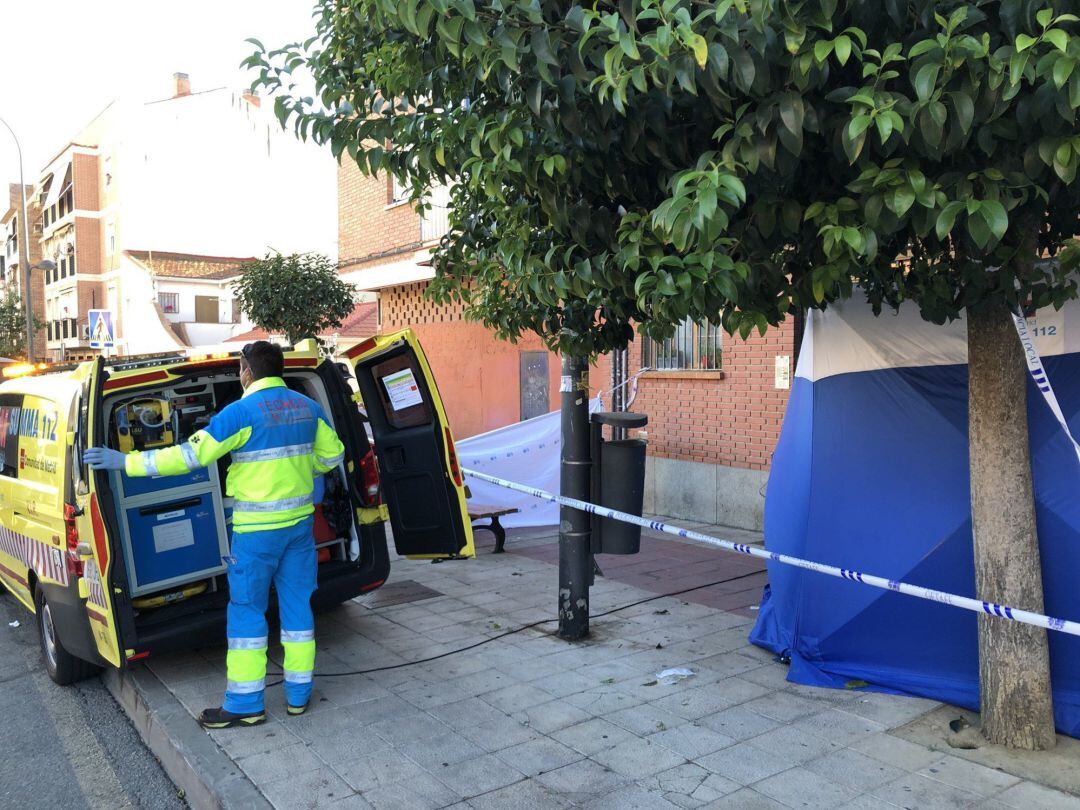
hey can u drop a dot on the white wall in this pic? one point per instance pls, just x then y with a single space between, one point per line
140 328
210 174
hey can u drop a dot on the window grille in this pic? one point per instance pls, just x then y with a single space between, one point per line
695 346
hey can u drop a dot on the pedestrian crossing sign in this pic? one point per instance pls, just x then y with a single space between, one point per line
101 329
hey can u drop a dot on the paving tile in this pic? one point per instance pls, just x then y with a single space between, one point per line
689 785
499 734
354 802
638 758
245 742
441 750
743 763
799 787
552 716
409 726
969 776
738 722
276 764
422 792
913 790
1029 795
603 700
631 797
793 744
852 768
466 713
896 752
516 698
838 726
646 719
474 777
582 780
307 791
783 707
527 794
592 735
691 740
891 710
746 799
537 756
377 769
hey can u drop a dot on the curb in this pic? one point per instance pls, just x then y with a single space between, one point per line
194 762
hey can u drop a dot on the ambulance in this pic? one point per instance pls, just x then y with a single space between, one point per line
116 569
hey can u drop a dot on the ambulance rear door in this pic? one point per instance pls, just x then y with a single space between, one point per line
422 483
94 532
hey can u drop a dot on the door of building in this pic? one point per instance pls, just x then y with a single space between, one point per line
206 309
533 379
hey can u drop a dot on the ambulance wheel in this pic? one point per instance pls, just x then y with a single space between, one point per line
63 667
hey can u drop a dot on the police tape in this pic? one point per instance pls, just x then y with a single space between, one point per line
967 603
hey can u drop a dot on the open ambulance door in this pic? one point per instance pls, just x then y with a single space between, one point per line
98 560
422 483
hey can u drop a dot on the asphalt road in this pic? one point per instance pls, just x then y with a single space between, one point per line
69 747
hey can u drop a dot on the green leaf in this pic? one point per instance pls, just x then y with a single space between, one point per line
540 43
925 79
947 218
1058 38
842 46
822 49
700 47
792 113
628 45
1063 69
965 109
996 217
1023 42
924 46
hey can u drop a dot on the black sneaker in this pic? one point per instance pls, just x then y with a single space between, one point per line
220 718
296 711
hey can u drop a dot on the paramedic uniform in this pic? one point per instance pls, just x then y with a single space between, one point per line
280 442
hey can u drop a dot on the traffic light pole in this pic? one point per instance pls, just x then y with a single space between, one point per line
575 542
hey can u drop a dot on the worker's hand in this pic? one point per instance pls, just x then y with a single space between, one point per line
102 458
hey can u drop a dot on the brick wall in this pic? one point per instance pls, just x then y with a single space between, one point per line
733 421
86 181
367 223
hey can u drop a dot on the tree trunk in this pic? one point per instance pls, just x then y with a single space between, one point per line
1014 661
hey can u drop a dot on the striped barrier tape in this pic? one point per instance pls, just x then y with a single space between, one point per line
967 603
1038 375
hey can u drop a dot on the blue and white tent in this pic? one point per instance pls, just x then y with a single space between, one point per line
871 473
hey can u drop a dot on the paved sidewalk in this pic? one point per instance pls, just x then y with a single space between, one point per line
529 721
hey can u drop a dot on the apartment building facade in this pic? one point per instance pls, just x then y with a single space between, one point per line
152 208
715 403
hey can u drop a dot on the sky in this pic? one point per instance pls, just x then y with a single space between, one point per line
65 60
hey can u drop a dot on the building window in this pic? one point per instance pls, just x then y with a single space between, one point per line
399 192
110 238
170 302
695 346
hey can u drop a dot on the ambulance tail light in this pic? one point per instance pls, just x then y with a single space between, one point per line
71 530
369 479
455 469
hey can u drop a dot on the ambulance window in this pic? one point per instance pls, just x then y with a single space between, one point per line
398 381
10 409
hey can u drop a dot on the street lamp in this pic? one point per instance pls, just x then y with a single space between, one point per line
24 258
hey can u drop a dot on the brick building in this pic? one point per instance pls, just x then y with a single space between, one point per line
714 403
146 208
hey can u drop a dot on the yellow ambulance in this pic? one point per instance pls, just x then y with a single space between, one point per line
116 569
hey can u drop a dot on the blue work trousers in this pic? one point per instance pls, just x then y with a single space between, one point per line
286 558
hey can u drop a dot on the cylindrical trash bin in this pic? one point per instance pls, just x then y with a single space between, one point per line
622 487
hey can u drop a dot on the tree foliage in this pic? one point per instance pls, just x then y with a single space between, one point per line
299 295
13 324
648 160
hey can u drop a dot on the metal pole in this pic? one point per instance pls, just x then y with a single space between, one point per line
24 254
618 388
575 549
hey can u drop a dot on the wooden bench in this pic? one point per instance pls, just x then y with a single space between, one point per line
479 511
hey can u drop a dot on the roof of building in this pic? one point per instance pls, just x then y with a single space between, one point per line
362 323
189 265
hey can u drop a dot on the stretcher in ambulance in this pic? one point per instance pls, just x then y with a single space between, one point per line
116 569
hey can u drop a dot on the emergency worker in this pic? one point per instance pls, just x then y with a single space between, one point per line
280 443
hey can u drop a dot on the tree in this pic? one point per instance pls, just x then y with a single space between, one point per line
299 295
642 161
13 324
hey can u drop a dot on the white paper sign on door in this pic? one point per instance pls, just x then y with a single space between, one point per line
402 389
171 536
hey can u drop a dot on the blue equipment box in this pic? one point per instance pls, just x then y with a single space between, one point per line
173 541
